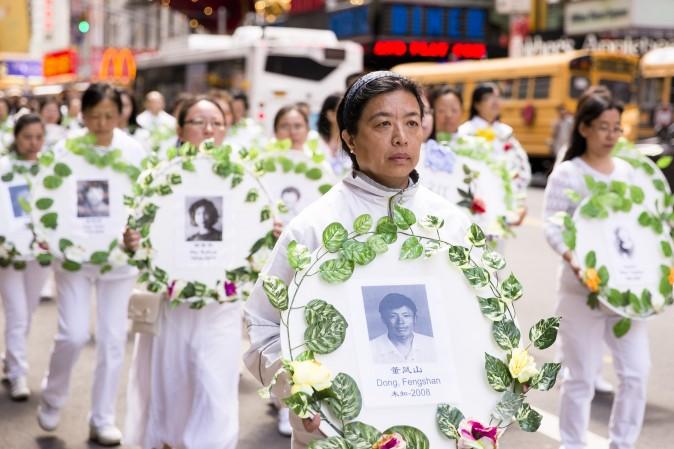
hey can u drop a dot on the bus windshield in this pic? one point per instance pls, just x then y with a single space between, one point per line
621 90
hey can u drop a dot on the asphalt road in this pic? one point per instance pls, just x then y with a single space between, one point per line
528 256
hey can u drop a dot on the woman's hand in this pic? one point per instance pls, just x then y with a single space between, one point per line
521 215
311 424
131 239
568 257
278 229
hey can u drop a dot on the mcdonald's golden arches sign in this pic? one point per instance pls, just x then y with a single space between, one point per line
117 64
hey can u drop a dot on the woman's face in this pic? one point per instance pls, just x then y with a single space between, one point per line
30 141
95 196
388 138
427 122
101 120
292 126
203 121
603 133
489 108
448 114
238 110
50 113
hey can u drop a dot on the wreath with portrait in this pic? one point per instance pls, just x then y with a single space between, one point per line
614 203
165 182
53 175
338 399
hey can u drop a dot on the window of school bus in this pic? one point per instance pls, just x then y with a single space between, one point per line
506 87
577 85
541 87
621 90
650 93
522 88
298 67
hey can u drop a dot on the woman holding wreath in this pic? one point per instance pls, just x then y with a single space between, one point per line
101 108
380 121
583 330
194 361
20 289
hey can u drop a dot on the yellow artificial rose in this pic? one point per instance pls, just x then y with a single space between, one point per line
487 134
522 366
592 280
310 375
670 278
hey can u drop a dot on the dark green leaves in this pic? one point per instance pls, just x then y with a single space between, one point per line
347 401
591 259
326 327
492 308
459 255
49 220
333 236
358 252
622 327
477 277
498 374
276 291
62 170
449 418
414 437
528 419
476 236
52 182
411 249
387 229
44 203
546 378
507 407
544 333
512 288
362 223
298 256
506 334
361 435
403 217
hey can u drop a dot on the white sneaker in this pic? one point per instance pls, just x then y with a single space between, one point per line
48 417
284 427
106 435
18 389
603 386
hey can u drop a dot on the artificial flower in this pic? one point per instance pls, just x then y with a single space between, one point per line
474 435
174 288
4 253
117 257
670 278
259 259
390 441
74 253
230 289
592 280
438 158
477 206
310 375
522 366
487 134
508 146
142 254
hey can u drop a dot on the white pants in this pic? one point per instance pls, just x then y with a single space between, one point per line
20 291
583 332
74 300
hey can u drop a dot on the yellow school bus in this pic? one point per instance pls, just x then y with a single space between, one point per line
656 86
534 87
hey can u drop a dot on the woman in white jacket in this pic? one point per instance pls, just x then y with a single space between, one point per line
20 289
380 122
583 330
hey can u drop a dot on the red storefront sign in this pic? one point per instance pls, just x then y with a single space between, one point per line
426 49
60 63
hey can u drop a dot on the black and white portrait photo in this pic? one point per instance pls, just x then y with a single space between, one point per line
18 193
623 241
203 219
93 198
291 197
399 324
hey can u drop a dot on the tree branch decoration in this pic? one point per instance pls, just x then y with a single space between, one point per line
337 399
605 199
72 254
159 181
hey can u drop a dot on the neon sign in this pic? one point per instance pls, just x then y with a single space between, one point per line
425 49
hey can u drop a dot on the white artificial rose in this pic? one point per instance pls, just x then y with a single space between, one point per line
310 375
75 253
117 257
259 259
142 254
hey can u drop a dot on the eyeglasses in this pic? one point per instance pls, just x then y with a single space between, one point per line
608 130
204 124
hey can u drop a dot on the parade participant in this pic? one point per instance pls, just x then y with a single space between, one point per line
72 121
245 131
484 121
224 100
128 118
329 132
380 121
50 112
6 125
101 108
239 107
154 115
194 361
447 106
20 289
291 123
583 330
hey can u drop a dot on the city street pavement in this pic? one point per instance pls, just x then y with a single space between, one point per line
530 259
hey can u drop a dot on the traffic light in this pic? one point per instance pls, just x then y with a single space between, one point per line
83 24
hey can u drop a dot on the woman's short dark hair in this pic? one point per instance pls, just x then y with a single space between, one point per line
25 120
212 214
478 95
394 301
133 124
240 96
189 103
590 107
440 91
97 92
329 104
349 112
286 109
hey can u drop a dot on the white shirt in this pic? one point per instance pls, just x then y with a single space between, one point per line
150 121
384 351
